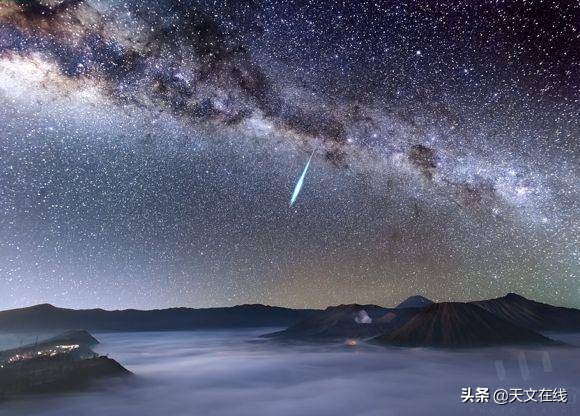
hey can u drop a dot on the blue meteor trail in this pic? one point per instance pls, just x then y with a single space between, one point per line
300 180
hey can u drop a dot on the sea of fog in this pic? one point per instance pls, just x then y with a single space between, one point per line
235 373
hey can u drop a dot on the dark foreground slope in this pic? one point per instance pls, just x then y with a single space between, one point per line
346 322
460 325
56 374
47 317
531 314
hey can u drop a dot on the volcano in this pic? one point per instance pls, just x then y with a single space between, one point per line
460 325
416 301
344 322
531 314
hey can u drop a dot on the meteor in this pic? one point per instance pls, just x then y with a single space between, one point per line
300 180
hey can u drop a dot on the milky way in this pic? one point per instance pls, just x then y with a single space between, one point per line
149 150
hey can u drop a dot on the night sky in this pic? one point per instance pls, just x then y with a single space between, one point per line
149 150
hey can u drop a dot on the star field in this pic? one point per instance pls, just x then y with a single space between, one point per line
148 151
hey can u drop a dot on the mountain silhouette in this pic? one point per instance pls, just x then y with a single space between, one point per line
416 301
335 323
46 317
460 325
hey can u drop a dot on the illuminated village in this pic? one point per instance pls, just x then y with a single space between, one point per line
50 352
64 362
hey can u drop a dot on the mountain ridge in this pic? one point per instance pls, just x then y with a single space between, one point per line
49 317
332 321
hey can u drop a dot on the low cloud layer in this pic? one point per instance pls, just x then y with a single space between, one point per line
229 373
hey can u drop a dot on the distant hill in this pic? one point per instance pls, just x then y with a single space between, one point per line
46 317
531 314
460 325
416 301
346 322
